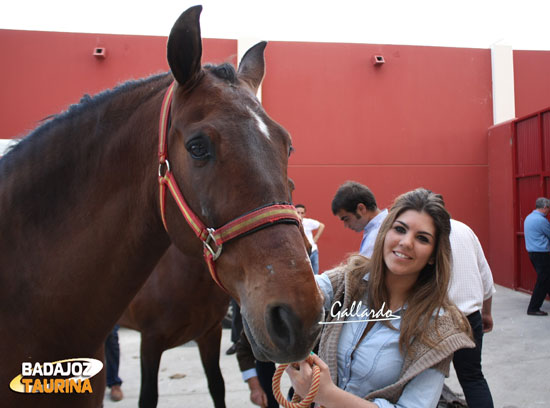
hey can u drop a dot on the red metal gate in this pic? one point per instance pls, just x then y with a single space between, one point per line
531 152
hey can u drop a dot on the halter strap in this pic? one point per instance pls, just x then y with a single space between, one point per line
245 224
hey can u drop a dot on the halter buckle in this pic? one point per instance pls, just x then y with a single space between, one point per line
215 254
161 165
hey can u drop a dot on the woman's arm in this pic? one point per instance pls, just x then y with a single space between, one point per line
423 391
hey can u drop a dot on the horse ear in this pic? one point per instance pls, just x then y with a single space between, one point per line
252 66
185 47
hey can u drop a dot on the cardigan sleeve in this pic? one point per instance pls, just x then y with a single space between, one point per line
326 287
423 357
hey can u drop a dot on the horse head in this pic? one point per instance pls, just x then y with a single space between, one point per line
230 158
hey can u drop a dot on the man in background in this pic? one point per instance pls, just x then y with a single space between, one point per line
112 362
537 242
356 206
311 225
471 288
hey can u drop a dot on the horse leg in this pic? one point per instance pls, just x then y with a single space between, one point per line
151 352
209 348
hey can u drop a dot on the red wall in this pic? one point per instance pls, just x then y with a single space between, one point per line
420 119
501 248
531 80
43 72
532 94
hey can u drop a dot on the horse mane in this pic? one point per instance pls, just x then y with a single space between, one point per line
86 103
42 165
223 71
39 175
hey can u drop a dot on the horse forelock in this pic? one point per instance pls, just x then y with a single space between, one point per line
223 71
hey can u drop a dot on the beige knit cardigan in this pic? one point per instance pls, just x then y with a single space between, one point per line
448 339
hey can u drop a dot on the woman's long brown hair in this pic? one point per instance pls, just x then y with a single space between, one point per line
429 293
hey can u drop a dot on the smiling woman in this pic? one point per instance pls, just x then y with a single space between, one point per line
382 362
409 245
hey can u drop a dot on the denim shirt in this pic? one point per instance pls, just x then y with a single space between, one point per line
377 362
370 232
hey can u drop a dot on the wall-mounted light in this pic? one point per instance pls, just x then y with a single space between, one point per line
100 52
378 59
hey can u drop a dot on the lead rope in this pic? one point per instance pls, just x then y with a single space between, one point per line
296 403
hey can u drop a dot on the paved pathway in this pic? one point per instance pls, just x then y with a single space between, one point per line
516 363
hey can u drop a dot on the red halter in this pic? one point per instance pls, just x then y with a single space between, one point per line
247 223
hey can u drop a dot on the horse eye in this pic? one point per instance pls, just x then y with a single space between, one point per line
198 148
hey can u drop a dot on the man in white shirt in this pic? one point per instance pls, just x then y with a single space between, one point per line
471 289
356 206
311 225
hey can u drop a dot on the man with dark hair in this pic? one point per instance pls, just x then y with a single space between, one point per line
356 206
537 242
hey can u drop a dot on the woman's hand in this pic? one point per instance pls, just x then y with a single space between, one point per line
301 377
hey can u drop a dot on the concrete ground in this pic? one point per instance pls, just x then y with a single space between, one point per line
516 361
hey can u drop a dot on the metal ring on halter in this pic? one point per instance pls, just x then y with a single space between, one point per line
167 163
210 237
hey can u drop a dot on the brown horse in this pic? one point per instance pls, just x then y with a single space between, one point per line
82 217
164 312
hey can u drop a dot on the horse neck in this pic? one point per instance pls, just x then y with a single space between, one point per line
85 225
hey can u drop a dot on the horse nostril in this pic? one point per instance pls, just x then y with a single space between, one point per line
282 325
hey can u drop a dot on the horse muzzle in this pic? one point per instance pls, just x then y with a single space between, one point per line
289 338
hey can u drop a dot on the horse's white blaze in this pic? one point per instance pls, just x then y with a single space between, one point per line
261 124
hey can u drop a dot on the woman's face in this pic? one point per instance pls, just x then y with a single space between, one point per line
409 244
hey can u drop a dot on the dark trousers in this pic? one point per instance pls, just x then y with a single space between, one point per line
541 262
112 357
236 321
467 363
265 372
